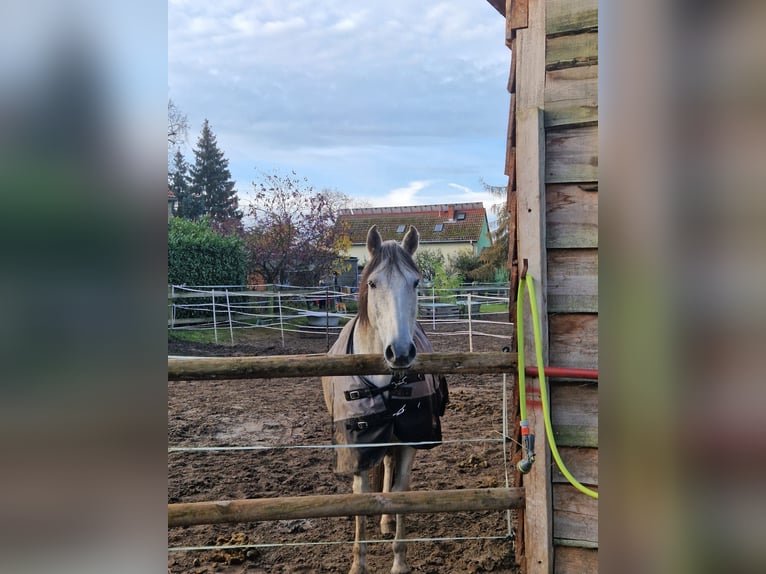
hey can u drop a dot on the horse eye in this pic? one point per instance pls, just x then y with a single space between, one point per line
417 282
371 284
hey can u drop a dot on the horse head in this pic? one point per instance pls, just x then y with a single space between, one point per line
388 296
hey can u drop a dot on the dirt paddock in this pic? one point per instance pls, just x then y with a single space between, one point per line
290 412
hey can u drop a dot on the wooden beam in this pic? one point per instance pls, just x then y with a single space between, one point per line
517 13
538 533
324 365
321 506
510 140
530 51
512 74
498 5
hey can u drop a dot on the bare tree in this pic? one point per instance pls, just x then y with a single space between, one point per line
295 236
178 126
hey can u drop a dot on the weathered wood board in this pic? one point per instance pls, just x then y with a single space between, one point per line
574 414
571 51
582 463
571 216
567 16
575 515
571 97
573 340
572 560
571 154
572 280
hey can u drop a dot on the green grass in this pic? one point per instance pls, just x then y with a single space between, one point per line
494 307
197 336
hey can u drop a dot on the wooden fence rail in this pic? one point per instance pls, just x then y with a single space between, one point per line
216 368
251 510
321 506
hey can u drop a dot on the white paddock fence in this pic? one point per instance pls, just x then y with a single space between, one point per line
323 310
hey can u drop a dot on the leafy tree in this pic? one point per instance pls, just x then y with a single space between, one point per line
295 237
197 255
211 182
494 259
189 205
445 279
429 262
434 270
466 264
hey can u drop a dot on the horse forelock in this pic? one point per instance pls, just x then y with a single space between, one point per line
390 255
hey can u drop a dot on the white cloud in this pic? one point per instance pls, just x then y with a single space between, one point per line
403 195
201 25
461 187
280 26
243 23
351 95
345 25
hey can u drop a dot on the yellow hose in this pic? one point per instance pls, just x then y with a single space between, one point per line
541 374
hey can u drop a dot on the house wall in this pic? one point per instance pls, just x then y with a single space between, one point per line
484 239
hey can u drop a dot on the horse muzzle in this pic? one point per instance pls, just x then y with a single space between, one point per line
400 357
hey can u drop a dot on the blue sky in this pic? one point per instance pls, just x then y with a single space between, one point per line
395 102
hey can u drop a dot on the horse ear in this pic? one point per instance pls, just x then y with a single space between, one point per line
411 240
374 240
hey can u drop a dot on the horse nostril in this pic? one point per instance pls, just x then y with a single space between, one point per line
400 358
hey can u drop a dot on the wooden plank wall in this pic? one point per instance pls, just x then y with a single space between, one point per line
571 176
554 68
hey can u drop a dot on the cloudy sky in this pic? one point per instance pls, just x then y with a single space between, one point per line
396 102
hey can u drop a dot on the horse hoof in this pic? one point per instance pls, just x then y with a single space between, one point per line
401 569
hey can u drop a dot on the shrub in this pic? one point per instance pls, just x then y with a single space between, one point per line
197 255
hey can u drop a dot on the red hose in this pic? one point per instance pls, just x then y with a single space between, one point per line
562 372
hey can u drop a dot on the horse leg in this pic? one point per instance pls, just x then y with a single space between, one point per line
388 522
403 471
359 565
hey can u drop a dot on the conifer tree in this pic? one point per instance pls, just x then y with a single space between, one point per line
189 205
211 182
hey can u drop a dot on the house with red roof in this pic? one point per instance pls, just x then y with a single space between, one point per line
447 228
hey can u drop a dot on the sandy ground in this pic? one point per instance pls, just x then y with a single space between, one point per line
291 412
